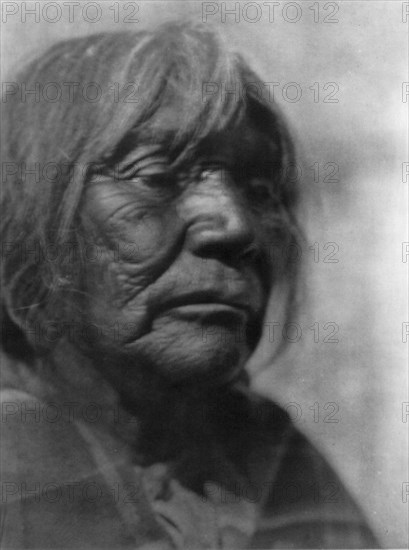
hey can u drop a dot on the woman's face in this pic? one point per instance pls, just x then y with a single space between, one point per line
178 281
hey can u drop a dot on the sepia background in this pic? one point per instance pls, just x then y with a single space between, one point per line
344 374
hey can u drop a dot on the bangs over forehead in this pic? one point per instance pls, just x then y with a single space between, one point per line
179 67
138 76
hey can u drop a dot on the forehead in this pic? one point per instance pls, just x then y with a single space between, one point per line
237 140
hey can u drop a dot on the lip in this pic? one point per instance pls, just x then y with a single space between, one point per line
206 312
214 308
208 302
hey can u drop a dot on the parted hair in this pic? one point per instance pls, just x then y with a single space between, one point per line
86 108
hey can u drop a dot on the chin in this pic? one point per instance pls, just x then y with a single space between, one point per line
182 353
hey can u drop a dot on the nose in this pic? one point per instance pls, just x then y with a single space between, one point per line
217 221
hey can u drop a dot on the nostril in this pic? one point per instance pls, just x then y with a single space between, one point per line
232 252
215 236
249 253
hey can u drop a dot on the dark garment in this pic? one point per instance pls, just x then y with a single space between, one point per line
227 471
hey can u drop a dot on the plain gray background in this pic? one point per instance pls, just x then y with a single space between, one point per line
364 213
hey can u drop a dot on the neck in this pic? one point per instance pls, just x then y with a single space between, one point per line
158 418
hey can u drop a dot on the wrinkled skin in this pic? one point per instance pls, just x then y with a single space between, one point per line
177 282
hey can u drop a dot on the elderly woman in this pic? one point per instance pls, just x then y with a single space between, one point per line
139 208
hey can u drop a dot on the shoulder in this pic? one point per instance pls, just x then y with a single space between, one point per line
54 494
308 504
38 443
304 502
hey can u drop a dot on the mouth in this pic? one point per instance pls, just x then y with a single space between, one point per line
208 301
210 306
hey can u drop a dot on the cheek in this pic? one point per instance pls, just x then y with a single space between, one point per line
129 227
132 255
130 232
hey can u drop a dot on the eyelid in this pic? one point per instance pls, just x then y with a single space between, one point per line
206 169
152 180
162 181
150 169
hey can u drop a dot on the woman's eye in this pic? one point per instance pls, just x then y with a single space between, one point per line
153 181
209 168
149 170
207 173
161 186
